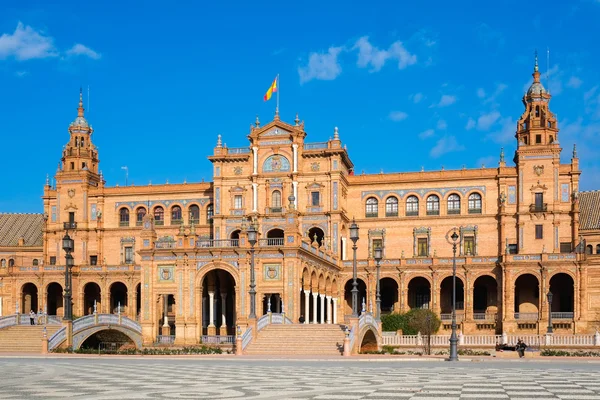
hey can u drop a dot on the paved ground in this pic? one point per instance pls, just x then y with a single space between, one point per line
227 378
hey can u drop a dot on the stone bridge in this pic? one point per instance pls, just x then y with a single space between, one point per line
85 327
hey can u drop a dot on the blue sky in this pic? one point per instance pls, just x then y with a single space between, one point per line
421 84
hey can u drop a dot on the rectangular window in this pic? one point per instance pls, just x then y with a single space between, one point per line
315 199
539 231
469 245
539 201
93 260
237 201
538 139
52 260
128 255
512 249
376 244
71 217
422 247
565 247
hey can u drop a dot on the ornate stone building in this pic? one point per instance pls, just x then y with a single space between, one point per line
177 257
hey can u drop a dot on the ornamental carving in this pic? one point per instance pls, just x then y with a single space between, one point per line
538 169
315 166
238 170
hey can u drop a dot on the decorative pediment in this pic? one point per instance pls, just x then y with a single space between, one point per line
238 189
539 186
275 131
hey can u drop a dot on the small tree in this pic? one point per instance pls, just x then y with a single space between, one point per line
426 322
394 322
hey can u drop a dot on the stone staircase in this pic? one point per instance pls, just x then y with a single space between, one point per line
298 339
24 338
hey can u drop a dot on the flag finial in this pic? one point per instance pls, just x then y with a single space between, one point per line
219 144
297 120
257 122
276 113
336 135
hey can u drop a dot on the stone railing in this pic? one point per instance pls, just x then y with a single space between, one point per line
238 150
485 317
529 316
448 317
562 315
270 242
391 339
315 146
58 337
218 243
366 319
217 339
246 338
165 339
271 318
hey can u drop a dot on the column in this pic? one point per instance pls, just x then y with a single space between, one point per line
255 152
295 185
295 149
306 306
211 309
223 329
322 309
335 307
315 307
328 309
277 304
166 330
255 197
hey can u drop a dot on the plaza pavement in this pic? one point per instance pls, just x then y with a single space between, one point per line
228 377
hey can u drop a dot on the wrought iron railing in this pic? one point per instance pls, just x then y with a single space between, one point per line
538 207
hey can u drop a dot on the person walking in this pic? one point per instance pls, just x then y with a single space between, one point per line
520 347
31 317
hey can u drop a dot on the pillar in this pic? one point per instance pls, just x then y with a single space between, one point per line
212 330
295 186
315 307
306 306
328 309
295 150
255 197
322 309
255 152
335 307
223 329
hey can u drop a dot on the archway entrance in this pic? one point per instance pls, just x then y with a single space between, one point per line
275 237
108 340
272 300
362 295
91 294
235 237
218 303
485 297
446 295
527 297
388 288
316 234
54 299
563 289
118 297
419 293
369 342
29 298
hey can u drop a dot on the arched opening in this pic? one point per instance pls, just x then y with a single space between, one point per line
598 249
371 207
446 295
138 301
527 296
388 289
316 235
433 205
218 303
29 298
276 201
272 301
362 295
419 293
454 204
474 203
589 249
563 295
140 213
159 215
123 217
35 262
108 340
275 237
91 294
118 298
54 299
369 342
391 206
485 296
194 214
412 206
235 236
176 215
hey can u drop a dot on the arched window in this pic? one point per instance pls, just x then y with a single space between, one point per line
598 249
159 215
11 262
176 215
276 201
474 203
35 262
433 205
123 217
140 213
372 207
454 204
588 250
209 213
3 263
412 206
391 207
194 212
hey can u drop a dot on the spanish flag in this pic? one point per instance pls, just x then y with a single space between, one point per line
272 89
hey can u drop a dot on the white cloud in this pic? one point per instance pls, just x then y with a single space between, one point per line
417 97
447 144
485 121
441 124
446 101
398 116
470 124
574 82
81 50
26 43
480 93
426 134
321 66
500 87
506 133
369 55
591 101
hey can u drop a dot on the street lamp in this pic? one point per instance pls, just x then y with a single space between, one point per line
377 255
252 239
549 298
354 238
68 246
452 238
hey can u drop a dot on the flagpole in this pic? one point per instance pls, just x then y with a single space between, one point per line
277 107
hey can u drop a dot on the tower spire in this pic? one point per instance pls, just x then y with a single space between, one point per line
80 108
536 67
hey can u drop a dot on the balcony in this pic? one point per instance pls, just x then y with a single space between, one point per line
69 225
275 210
526 316
562 315
220 243
538 208
194 221
371 215
270 242
177 221
139 223
123 223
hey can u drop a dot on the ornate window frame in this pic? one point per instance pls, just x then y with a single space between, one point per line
468 231
374 235
421 233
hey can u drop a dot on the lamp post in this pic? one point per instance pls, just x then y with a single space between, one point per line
68 246
354 238
377 255
252 239
549 298
452 238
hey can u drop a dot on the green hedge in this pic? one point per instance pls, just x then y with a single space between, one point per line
148 351
415 321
